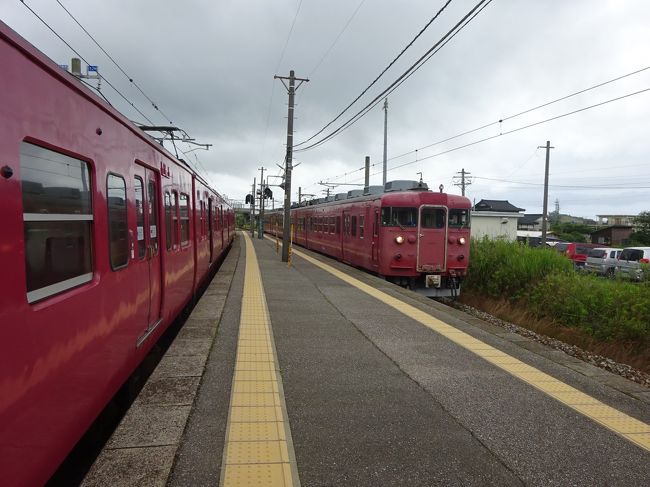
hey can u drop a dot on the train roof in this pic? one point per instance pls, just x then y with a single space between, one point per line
392 192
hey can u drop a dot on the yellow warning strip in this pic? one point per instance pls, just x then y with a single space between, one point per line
258 448
629 428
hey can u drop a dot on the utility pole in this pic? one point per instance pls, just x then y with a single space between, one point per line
286 228
299 194
260 223
366 179
545 215
385 140
464 181
253 209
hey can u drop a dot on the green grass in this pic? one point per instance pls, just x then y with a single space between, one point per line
545 283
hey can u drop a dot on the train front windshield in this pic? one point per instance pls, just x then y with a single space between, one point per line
459 218
395 216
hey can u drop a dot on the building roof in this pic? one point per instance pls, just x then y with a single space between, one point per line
530 218
497 205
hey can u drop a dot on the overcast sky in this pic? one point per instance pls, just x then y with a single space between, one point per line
209 65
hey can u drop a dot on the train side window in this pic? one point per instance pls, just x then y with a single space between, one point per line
375 226
338 225
362 220
353 226
169 229
174 225
58 221
332 224
118 238
185 219
153 218
139 216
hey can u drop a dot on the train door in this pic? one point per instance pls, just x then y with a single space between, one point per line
210 229
432 239
375 238
147 237
346 237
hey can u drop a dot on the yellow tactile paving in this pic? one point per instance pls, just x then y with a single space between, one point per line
258 449
627 427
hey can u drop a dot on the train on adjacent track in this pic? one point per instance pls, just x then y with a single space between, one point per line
105 239
402 231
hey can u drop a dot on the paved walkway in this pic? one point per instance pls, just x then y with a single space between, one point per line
373 385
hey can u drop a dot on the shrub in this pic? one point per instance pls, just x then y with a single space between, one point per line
545 283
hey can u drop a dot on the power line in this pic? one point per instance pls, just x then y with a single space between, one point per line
268 111
471 15
476 129
380 75
485 139
563 186
84 60
153 104
347 24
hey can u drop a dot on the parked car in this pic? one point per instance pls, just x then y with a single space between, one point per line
577 252
602 261
632 261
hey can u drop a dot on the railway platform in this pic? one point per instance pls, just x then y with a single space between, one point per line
319 374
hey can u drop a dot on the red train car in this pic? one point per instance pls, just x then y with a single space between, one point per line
104 238
403 232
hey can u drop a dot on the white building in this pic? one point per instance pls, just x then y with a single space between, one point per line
496 219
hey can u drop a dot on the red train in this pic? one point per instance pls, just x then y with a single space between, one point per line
105 238
403 232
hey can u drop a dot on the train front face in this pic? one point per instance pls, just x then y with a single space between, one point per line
425 241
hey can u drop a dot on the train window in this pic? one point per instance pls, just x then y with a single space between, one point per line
338 225
375 226
57 219
433 217
399 217
202 216
459 218
185 219
362 220
332 224
153 218
118 238
139 216
169 228
353 226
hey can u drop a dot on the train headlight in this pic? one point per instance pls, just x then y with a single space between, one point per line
399 239
461 240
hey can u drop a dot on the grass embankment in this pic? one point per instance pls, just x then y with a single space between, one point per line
538 289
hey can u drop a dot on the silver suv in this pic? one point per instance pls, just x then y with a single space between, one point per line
602 261
632 261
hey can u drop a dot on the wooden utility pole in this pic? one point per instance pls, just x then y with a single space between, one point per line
260 224
253 208
545 215
366 179
286 228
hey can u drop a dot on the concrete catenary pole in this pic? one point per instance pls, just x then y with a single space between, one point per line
545 215
385 141
286 228
366 180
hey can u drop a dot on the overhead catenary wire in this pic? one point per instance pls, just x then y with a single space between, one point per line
379 76
84 60
471 15
153 104
518 129
503 119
